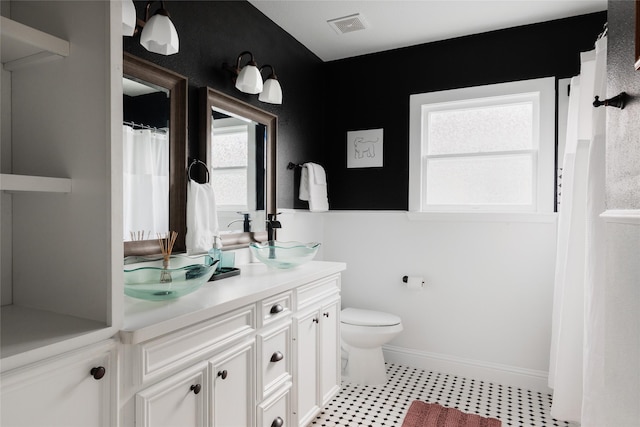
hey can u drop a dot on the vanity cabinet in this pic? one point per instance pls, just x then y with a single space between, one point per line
237 352
316 347
75 389
180 400
60 181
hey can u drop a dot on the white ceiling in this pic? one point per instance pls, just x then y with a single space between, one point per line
400 23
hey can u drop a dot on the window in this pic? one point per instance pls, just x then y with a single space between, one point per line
229 163
486 148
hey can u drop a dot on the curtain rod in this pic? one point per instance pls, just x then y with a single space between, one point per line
141 126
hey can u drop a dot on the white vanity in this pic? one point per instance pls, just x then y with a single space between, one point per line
257 349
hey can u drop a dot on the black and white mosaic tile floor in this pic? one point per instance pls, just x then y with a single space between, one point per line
382 406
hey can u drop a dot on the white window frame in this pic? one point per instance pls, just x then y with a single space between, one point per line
543 144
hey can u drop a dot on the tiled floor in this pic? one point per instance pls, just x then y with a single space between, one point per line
386 405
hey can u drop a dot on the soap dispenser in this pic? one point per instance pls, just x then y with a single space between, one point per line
215 253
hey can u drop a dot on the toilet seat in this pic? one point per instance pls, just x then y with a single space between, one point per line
359 317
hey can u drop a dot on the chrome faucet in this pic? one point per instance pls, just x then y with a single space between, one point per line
272 224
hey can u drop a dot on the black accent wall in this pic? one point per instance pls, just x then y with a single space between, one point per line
322 101
214 32
372 91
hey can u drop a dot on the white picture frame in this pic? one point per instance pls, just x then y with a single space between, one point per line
365 148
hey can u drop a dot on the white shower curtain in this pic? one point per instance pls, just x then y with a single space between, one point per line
576 369
146 182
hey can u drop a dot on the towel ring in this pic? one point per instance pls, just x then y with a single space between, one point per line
195 162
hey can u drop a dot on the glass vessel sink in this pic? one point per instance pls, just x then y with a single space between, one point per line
147 279
284 254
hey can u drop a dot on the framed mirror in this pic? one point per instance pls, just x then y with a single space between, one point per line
154 155
238 141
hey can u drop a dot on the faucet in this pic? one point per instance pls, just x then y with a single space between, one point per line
246 222
272 224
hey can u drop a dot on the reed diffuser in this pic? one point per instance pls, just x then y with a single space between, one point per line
166 246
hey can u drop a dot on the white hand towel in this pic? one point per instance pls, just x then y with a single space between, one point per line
202 217
313 187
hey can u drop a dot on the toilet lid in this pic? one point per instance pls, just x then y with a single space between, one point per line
359 317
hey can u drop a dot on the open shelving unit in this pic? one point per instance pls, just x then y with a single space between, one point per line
64 284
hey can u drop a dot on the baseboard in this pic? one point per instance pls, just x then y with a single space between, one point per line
506 375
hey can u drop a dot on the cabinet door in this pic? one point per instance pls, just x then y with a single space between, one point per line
62 391
178 401
306 339
233 387
330 375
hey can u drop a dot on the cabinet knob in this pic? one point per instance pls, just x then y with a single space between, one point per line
277 356
196 388
98 372
276 309
223 374
325 314
315 320
278 422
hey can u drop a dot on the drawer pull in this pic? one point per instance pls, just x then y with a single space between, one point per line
315 320
223 374
98 373
278 422
196 388
325 314
277 356
276 309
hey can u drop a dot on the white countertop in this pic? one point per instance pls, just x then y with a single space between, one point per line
144 320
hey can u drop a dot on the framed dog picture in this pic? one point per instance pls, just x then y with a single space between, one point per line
365 148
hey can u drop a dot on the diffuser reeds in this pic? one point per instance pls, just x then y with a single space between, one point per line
166 246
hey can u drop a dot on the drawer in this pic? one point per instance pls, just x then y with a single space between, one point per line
276 308
276 411
187 345
274 359
314 292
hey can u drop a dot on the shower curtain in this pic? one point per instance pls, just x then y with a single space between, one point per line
577 346
146 182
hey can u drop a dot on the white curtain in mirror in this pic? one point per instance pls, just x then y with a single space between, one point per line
146 182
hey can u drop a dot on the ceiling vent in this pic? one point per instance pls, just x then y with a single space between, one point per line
348 24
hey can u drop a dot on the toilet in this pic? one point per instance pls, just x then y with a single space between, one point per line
363 333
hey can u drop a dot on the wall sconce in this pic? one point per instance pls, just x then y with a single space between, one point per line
158 33
248 79
271 92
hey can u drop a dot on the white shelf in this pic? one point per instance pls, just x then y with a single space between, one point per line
28 334
10 182
23 45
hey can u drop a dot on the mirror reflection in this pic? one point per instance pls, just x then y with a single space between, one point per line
236 162
238 143
145 139
154 142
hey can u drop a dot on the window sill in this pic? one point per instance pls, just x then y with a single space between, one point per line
550 217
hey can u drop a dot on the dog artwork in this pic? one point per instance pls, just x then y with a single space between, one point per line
365 148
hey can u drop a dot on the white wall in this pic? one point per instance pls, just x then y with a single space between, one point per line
485 312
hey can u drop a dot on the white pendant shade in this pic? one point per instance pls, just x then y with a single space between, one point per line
271 92
160 36
249 80
128 17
